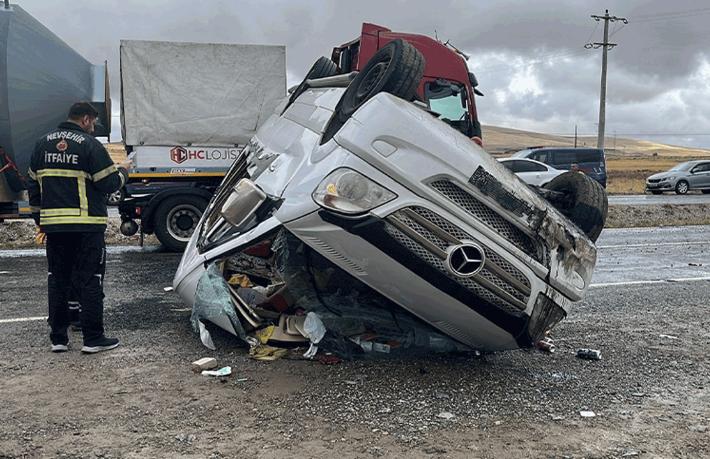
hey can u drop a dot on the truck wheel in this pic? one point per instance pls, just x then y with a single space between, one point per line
321 68
397 68
584 202
176 219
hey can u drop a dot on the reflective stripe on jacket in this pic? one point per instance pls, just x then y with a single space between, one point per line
70 176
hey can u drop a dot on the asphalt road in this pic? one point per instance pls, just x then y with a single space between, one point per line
651 199
646 312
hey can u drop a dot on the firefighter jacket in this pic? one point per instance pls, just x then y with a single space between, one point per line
70 177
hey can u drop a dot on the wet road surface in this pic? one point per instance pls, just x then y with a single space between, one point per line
649 392
654 199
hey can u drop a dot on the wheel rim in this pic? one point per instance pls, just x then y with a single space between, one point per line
182 221
370 80
115 197
683 187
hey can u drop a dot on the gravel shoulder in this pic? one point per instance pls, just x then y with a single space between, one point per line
20 233
649 392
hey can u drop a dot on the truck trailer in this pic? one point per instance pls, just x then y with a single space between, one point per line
187 111
40 78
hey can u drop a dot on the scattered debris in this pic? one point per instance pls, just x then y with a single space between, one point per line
446 415
638 394
167 289
668 336
224 371
546 344
242 380
205 363
267 353
240 280
630 453
695 264
587 414
589 354
5 272
698 428
557 418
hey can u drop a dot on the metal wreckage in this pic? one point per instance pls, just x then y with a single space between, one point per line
359 221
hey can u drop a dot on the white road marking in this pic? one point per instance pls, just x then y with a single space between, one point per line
22 319
649 282
661 244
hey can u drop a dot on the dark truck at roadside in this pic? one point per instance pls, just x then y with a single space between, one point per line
591 161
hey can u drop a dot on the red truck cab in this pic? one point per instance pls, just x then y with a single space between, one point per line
447 87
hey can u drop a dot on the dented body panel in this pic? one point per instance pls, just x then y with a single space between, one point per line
449 193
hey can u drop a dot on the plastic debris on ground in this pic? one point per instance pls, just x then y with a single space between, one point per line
285 300
224 371
587 414
589 354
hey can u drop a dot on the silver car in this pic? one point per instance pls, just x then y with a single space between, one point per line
691 175
354 204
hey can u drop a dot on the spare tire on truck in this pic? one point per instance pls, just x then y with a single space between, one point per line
581 199
397 68
321 68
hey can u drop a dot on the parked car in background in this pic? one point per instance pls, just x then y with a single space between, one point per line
681 178
591 161
530 171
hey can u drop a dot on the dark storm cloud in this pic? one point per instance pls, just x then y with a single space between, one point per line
529 56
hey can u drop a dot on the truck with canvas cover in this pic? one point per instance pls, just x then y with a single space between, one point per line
187 110
40 78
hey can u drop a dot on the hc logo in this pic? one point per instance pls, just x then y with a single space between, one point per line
178 154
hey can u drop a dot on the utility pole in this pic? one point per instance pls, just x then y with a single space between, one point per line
606 46
575 136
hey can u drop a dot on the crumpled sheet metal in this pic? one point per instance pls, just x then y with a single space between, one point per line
213 302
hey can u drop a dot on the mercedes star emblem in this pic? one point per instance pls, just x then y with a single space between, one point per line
465 259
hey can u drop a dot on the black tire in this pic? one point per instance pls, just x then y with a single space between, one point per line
656 192
682 187
175 220
705 191
396 68
585 202
321 68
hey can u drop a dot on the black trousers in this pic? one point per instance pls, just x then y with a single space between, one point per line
77 264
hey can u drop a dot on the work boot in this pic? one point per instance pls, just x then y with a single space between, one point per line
99 344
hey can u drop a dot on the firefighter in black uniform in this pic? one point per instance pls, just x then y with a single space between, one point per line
70 177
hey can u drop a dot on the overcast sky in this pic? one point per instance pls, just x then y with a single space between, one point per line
529 57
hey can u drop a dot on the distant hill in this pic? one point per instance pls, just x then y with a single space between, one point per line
501 141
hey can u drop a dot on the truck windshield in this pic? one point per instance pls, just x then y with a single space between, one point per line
447 99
